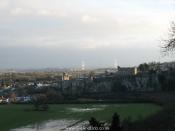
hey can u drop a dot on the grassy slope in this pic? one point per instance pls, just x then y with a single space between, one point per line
12 116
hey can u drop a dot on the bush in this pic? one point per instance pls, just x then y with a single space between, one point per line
40 102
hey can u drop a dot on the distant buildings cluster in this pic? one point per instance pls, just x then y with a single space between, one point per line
19 99
72 82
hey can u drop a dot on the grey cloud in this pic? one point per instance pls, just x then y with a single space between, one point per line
30 57
46 34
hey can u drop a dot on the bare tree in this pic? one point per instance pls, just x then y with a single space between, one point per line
40 102
169 44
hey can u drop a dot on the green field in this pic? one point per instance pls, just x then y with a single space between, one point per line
14 116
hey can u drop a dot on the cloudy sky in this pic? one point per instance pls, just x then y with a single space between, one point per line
62 33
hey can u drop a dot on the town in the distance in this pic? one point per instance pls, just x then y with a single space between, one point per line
81 84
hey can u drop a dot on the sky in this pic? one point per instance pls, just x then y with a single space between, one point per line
63 33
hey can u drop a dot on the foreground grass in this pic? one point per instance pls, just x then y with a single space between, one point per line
13 116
